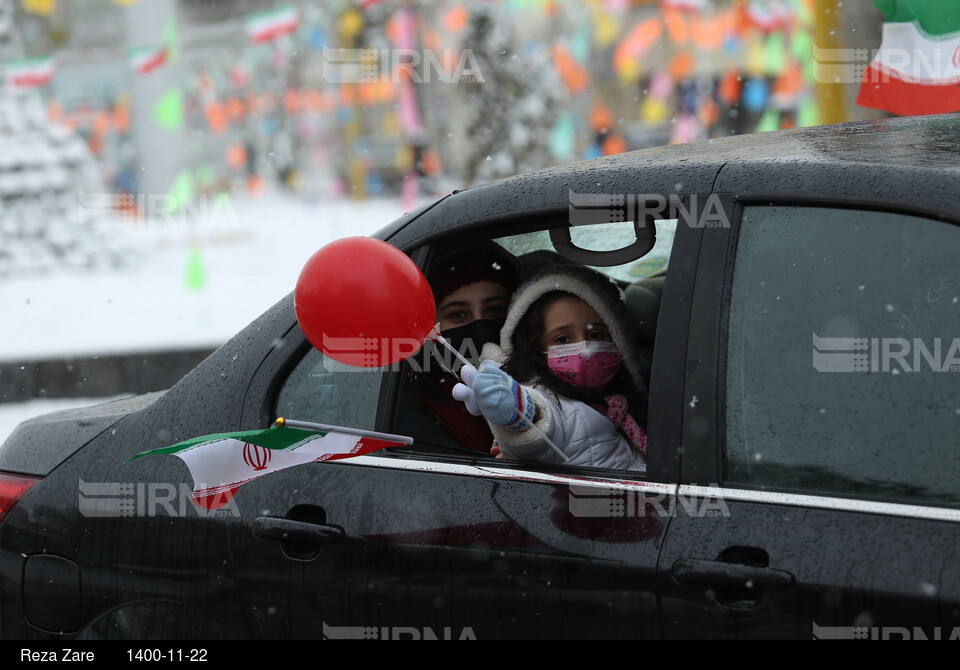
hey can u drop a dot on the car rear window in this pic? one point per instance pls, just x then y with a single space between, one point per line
843 358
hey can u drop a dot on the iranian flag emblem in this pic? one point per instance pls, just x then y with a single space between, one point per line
917 68
221 463
30 73
268 25
147 59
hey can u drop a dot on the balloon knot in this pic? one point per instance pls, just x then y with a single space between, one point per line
434 334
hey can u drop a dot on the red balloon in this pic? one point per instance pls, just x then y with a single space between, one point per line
364 302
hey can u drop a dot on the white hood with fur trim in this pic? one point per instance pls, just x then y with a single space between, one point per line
593 288
583 435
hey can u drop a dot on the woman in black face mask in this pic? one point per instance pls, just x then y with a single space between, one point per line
472 289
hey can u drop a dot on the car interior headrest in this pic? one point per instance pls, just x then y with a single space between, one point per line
642 300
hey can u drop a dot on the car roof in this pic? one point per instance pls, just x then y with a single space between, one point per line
905 163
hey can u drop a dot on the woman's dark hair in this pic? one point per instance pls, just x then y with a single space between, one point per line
527 362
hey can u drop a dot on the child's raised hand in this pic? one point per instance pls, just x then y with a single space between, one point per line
501 400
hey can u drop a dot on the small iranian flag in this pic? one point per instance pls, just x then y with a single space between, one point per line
223 462
147 59
767 15
917 68
31 72
268 25
684 5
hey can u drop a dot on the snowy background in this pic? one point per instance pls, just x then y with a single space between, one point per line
157 301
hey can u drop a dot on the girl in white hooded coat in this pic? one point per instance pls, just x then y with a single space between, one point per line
562 384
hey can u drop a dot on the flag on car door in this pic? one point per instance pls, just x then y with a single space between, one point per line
916 70
221 463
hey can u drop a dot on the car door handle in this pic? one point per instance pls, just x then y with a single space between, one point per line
719 573
290 530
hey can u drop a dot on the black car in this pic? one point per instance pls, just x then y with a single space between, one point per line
801 317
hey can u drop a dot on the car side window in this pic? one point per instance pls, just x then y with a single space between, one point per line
426 416
323 390
843 355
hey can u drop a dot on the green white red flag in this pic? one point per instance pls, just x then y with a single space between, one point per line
268 25
147 59
768 15
684 5
916 70
30 72
221 463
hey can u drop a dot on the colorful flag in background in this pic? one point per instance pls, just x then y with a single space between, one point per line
221 463
31 72
147 59
268 25
684 5
917 68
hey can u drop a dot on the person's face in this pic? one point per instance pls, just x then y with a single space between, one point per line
479 300
570 320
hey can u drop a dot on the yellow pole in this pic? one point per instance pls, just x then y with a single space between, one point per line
831 98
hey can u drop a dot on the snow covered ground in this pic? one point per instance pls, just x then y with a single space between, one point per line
190 285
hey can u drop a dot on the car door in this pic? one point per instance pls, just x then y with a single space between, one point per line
821 410
416 543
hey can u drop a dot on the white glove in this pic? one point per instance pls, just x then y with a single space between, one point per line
464 392
502 400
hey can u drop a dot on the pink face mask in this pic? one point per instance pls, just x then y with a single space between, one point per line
591 365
